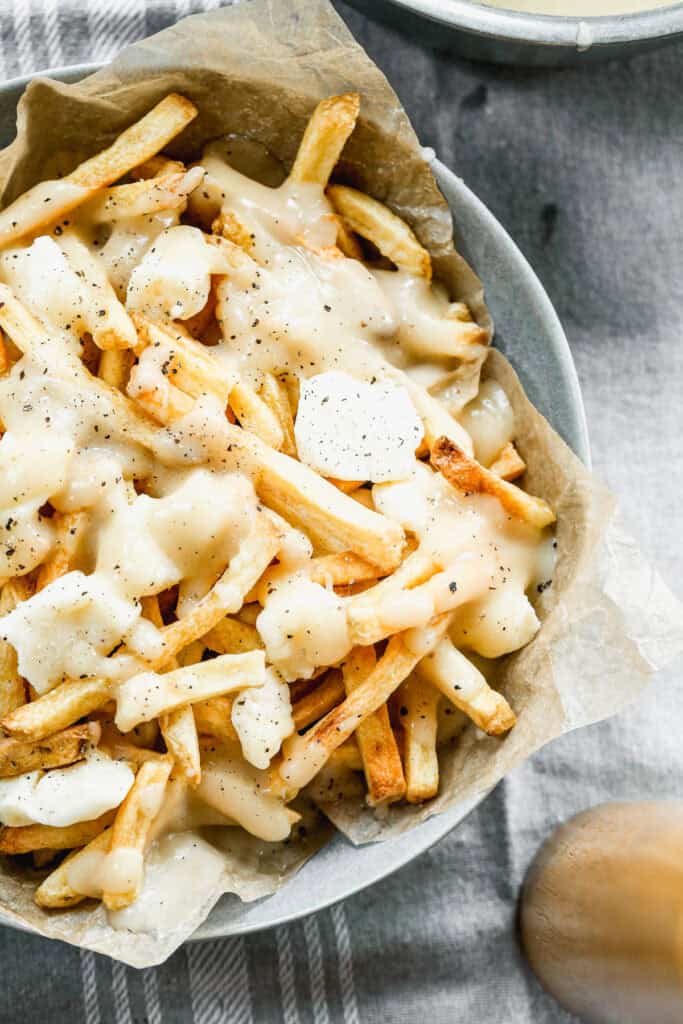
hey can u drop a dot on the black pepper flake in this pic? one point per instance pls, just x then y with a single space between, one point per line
452 586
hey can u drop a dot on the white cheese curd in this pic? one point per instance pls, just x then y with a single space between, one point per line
67 629
303 625
351 430
191 532
489 420
262 717
128 240
63 796
498 624
173 279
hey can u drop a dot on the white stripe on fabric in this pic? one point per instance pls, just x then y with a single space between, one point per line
53 41
219 982
182 9
131 15
21 13
91 1004
345 964
316 971
150 988
119 988
285 970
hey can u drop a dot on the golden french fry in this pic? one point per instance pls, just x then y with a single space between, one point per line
70 531
51 200
508 464
304 755
146 196
190 364
462 683
57 709
274 393
418 702
57 889
347 756
337 570
30 838
4 358
469 477
130 833
375 221
104 314
347 241
371 614
230 636
255 415
18 756
380 758
214 718
156 167
180 736
346 486
329 127
326 695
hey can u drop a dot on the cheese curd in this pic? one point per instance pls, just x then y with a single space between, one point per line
63 796
262 716
356 431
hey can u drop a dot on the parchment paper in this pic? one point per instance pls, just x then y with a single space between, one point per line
258 69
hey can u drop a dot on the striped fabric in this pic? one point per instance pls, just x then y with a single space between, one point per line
583 168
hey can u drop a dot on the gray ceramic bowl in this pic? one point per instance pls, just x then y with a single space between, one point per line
474 30
531 336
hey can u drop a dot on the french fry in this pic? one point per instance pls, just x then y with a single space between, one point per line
57 709
148 695
156 167
167 191
375 221
230 636
462 683
105 315
347 241
255 415
50 201
508 464
18 756
180 736
337 570
57 890
4 358
214 718
130 833
71 528
328 128
346 486
189 364
304 755
469 477
319 701
346 757
371 614
380 758
274 394
418 702
30 838
118 746
12 689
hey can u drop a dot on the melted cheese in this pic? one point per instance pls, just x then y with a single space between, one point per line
262 716
64 796
489 420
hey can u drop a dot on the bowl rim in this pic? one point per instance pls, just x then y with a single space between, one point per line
395 853
549 29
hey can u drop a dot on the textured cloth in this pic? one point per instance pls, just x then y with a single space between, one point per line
583 168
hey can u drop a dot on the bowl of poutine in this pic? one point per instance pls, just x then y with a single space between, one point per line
205 615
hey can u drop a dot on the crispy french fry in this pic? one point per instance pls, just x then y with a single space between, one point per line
347 241
29 838
304 755
255 415
105 315
148 695
51 200
337 570
274 394
190 364
375 221
377 745
157 166
346 486
372 614
468 476
326 695
347 756
508 464
4 357
329 127
57 709
230 636
130 832
71 528
57 889
180 736
214 718
418 702
143 197
462 683
18 756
